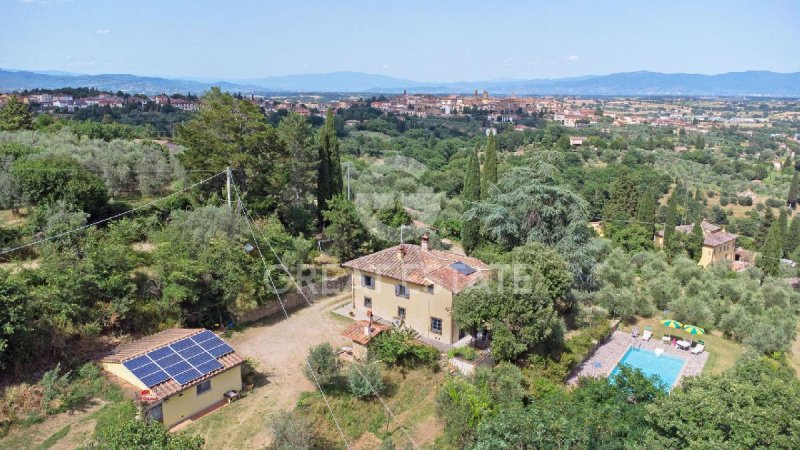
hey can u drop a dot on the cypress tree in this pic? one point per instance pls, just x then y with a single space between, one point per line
329 172
646 214
470 233
763 230
489 176
669 225
772 250
792 240
694 245
791 200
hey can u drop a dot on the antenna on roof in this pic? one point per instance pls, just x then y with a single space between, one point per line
402 227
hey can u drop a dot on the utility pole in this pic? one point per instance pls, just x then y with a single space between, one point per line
228 186
402 227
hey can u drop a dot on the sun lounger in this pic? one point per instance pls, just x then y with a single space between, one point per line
698 349
647 335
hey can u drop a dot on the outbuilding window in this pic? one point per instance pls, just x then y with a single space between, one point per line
203 387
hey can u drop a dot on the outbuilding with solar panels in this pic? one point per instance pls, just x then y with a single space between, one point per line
178 373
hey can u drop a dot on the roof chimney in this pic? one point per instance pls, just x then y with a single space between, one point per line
424 242
401 252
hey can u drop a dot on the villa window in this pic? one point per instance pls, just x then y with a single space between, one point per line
367 302
436 325
367 281
401 313
203 387
401 290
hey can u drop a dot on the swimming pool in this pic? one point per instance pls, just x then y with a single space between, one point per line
664 367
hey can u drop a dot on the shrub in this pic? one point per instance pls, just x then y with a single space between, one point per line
397 347
774 203
365 380
134 433
291 431
466 352
723 201
745 200
322 365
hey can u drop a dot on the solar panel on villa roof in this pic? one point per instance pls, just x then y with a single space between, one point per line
135 363
155 378
221 350
187 377
463 268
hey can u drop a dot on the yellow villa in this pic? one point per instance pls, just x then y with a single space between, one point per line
177 373
718 245
415 285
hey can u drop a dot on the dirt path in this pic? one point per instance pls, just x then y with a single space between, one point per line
80 423
280 347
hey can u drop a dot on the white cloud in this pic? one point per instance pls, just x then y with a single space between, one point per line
44 2
572 58
103 31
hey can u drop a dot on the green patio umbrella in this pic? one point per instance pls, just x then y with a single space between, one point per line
671 323
691 329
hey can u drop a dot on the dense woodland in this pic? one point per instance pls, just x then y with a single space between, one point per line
517 198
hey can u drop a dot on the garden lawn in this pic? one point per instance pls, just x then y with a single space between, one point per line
722 352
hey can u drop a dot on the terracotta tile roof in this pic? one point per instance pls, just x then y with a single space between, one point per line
420 266
127 351
716 239
144 345
713 236
356 331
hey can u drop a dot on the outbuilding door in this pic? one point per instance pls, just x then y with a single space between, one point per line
156 413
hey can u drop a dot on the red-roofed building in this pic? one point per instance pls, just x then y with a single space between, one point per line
177 373
415 285
718 245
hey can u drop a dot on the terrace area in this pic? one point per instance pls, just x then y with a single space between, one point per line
609 354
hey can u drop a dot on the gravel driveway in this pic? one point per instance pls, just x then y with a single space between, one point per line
280 347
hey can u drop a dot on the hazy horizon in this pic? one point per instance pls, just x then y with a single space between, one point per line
445 41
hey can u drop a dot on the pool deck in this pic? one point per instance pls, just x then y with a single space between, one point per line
606 357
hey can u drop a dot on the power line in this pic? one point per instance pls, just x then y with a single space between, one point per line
305 297
110 218
286 314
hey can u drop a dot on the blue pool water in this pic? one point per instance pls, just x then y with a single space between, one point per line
665 367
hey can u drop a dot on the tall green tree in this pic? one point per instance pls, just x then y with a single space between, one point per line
671 221
794 189
489 175
646 213
694 241
470 232
15 115
771 252
299 160
349 235
763 229
329 172
227 131
792 241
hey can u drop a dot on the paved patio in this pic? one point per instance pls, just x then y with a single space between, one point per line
606 357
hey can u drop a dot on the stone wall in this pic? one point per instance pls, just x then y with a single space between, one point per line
294 300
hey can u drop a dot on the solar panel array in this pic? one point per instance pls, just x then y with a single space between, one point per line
463 268
184 361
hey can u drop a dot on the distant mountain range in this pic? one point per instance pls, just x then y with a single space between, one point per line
751 83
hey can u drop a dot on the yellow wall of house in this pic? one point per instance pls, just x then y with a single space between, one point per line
420 305
121 371
183 405
659 241
721 252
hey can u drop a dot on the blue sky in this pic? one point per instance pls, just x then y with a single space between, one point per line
433 40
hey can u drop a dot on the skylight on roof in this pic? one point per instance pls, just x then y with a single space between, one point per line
462 268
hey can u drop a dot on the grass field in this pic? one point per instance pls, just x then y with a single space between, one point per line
722 353
410 395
